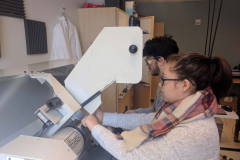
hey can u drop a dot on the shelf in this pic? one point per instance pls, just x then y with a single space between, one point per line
144 83
145 31
125 90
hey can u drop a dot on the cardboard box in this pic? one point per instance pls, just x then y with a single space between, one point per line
230 100
129 7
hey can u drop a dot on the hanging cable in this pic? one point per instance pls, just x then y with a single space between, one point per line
211 29
209 7
219 13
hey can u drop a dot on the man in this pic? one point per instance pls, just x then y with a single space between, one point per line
156 52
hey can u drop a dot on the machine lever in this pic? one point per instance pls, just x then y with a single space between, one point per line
96 94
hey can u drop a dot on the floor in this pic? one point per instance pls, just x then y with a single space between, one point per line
227 139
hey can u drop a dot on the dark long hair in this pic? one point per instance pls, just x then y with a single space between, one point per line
204 71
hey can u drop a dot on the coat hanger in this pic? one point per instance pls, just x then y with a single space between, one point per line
63 13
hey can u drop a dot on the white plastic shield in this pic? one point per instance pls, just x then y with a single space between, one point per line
107 59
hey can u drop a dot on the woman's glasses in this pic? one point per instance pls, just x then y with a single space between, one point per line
162 80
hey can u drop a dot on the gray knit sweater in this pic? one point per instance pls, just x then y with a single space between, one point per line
197 140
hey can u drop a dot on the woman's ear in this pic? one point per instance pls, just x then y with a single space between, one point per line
185 85
161 61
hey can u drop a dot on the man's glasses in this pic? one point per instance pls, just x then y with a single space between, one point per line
162 80
149 60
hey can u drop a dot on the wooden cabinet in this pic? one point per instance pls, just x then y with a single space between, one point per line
146 23
91 23
141 96
122 18
142 91
158 31
126 99
110 99
93 20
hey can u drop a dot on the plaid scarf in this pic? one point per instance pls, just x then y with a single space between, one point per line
202 104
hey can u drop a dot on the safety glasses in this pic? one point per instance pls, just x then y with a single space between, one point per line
149 60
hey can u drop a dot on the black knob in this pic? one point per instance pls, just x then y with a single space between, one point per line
133 49
54 103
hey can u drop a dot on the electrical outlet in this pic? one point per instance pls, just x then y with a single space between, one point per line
198 22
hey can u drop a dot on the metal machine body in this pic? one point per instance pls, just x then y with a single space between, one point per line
115 56
35 148
59 116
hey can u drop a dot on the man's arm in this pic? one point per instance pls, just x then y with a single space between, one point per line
144 110
140 110
127 121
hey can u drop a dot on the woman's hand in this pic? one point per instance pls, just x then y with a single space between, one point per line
99 114
130 112
89 121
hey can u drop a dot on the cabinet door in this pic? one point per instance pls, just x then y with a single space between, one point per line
109 99
142 93
146 23
121 87
141 96
91 23
127 100
158 31
122 18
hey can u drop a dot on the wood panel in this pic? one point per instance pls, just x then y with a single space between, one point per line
145 72
146 23
123 18
158 31
91 23
121 87
236 80
126 100
141 96
123 21
154 86
109 99
141 93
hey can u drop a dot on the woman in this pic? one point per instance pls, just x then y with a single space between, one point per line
184 127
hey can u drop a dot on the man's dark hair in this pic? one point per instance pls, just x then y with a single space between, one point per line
160 46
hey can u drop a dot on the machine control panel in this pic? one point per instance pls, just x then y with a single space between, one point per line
72 139
42 117
48 115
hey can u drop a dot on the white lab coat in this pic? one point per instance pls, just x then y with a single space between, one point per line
65 43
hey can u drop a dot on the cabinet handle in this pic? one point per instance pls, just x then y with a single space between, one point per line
116 16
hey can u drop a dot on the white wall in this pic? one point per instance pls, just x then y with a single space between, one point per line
12 33
179 21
